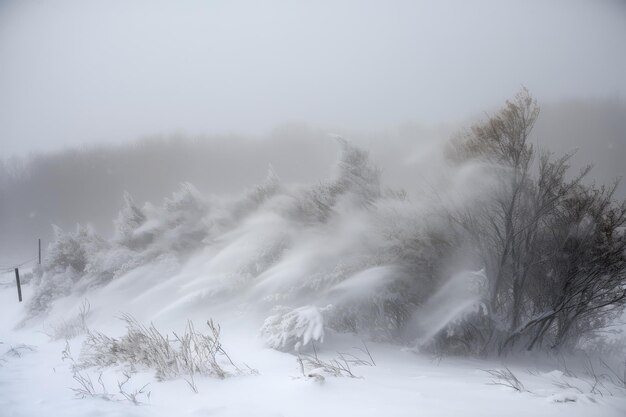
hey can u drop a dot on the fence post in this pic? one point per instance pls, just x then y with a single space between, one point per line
19 287
39 240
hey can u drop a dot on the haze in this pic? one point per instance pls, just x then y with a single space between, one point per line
82 72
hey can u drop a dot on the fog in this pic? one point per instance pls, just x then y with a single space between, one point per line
227 88
82 72
86 185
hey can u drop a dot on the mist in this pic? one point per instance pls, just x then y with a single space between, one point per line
86 185
254 84
85 72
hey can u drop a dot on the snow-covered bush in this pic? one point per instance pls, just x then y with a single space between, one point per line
79 260
129 219
191 353
357 174
315 204
179 224
73 250
254 197
316 368
290 329
356 184
71 257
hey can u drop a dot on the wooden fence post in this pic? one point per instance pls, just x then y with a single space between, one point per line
19 287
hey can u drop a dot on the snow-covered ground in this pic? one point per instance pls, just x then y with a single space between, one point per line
328 270
36 381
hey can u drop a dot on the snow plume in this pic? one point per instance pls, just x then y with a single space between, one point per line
449 305
345 254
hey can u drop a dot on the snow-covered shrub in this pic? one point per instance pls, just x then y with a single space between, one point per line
177 226
184 206
357 174
73 250
257 195
507 378
356 184
315 204
314 367
290 329
129 219
86 388
182 227
79 260
191 353
71 258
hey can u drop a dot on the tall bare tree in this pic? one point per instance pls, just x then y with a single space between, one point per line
542 279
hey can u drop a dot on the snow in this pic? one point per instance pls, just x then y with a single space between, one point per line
402 383
457 297
301 281
292 329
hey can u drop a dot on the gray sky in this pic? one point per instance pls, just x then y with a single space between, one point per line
82 71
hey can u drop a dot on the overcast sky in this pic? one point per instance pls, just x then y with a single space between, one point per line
81 71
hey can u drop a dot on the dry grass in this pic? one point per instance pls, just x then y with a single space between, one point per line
69 329
312 366
186 355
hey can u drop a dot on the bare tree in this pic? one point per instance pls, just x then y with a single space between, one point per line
584 279
552 248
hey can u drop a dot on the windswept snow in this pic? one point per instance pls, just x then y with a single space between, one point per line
403 383
325 274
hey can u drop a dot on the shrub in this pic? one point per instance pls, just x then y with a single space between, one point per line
289 329
191 353
553 248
